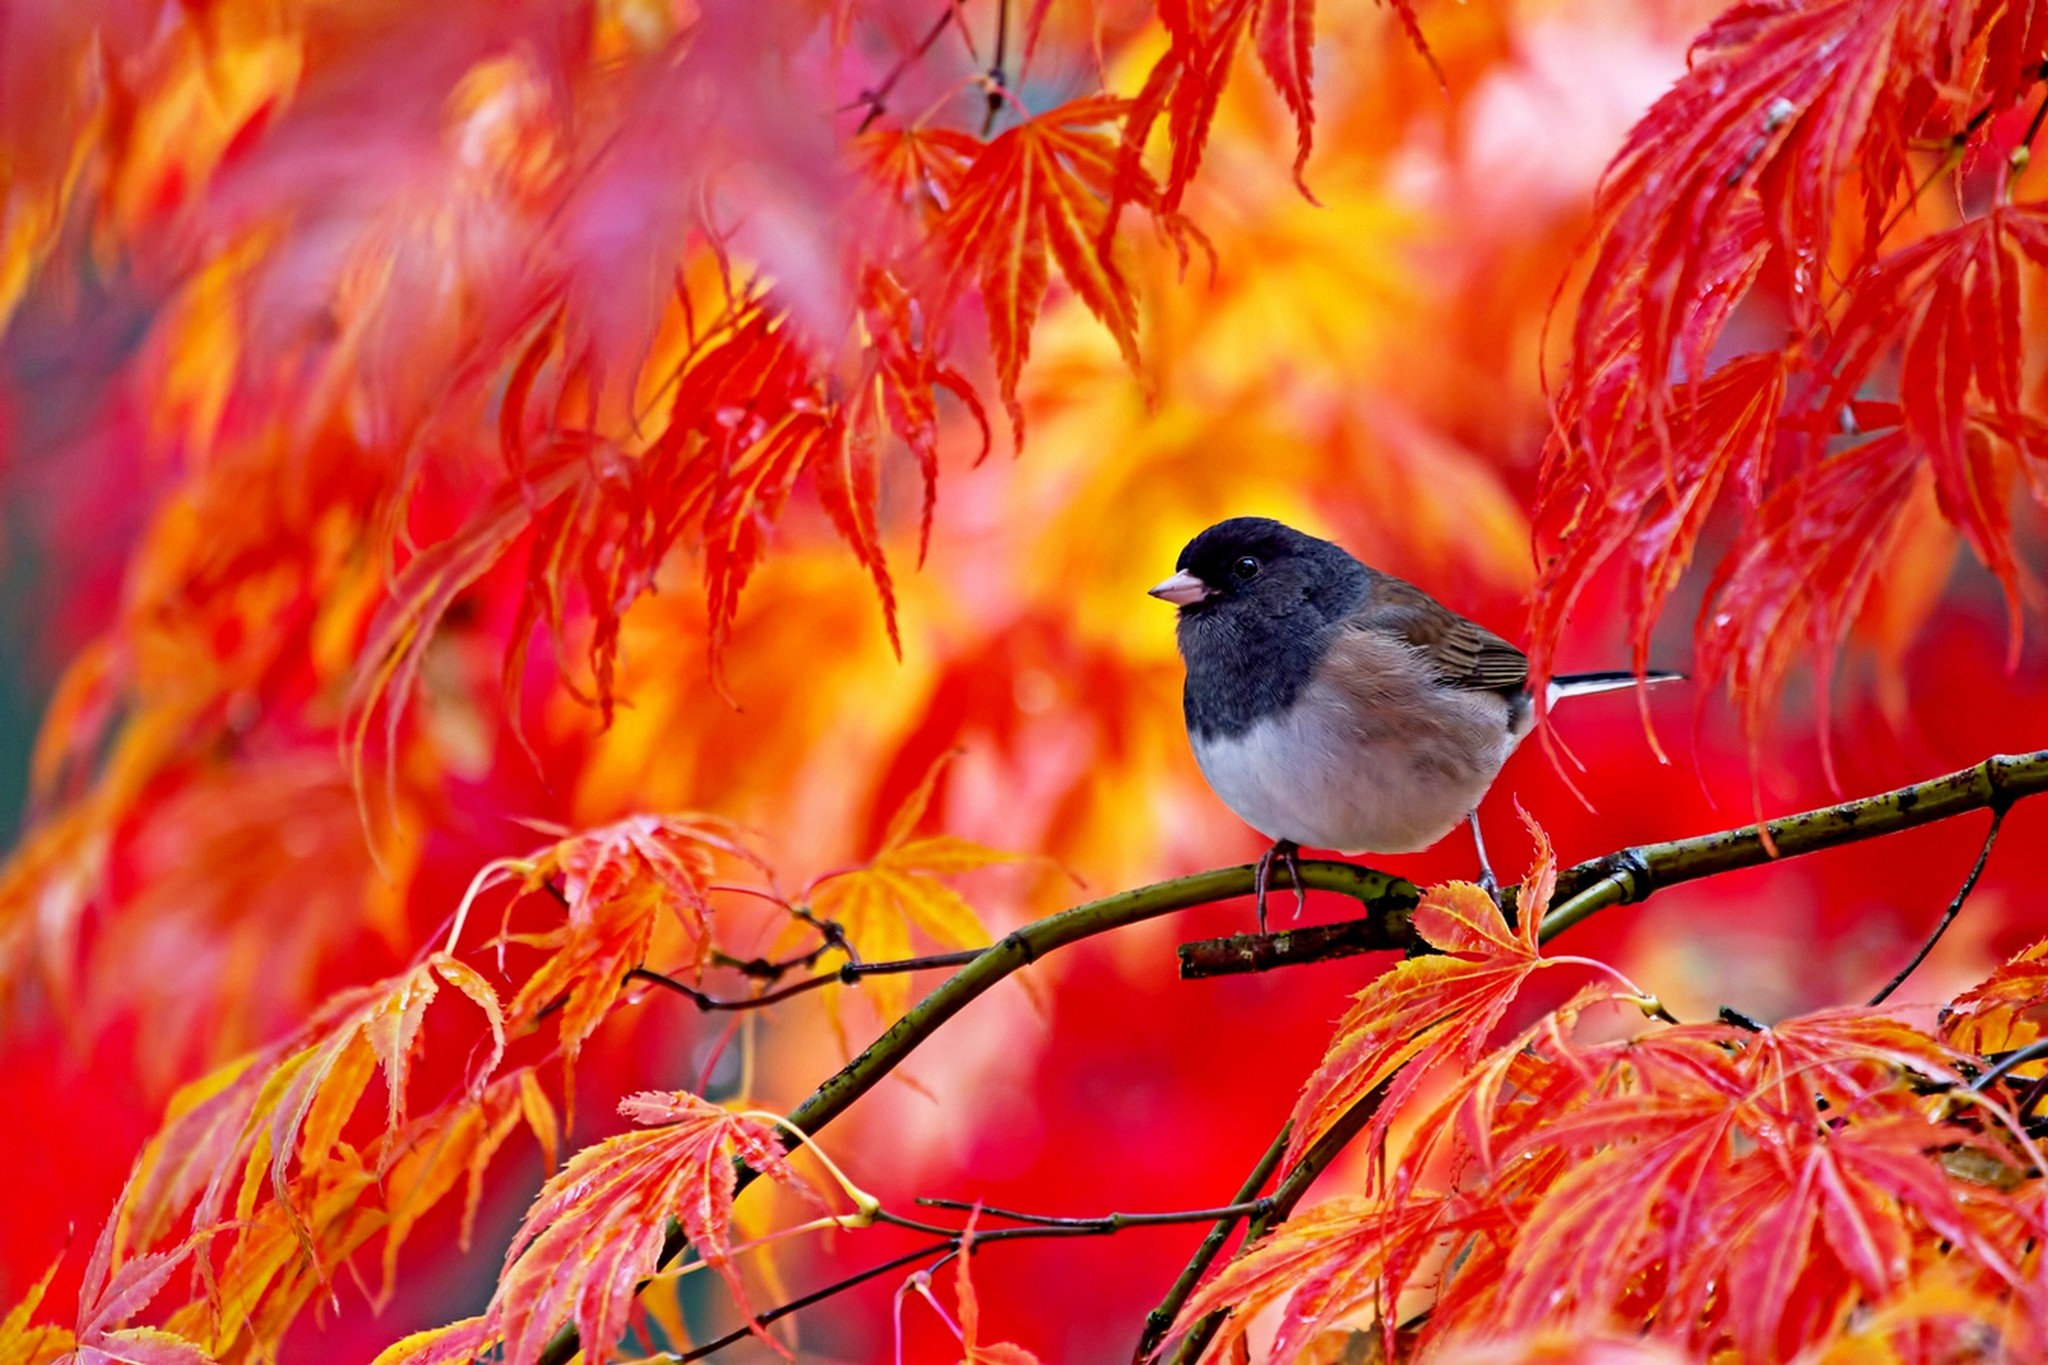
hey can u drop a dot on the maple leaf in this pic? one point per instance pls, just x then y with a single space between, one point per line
1327 1263
1747 152
1186 83
2005 1011
1799 572
1949 307
459 1143
1657 1171
878 903
1650 498
618 884
1044 188
286 1107
113 1290
1431 1009
595 1231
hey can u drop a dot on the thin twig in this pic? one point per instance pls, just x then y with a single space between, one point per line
859 1277
995 71
1107 1222
944 1250
2032 1052
876 100
848 974
1948 916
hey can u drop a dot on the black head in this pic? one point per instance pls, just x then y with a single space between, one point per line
1255 565
1258 601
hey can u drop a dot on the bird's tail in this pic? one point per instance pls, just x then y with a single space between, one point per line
1587 684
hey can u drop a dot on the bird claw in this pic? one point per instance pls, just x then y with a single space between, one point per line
1262 878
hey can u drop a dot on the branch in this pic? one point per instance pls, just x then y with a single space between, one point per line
1633 874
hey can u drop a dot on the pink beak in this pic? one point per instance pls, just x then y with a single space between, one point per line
1183 589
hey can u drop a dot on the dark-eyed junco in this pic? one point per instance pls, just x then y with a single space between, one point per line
1333 705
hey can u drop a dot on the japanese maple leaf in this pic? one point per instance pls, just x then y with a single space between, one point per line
1327 1263
113 1291
617 885
2007 1010
1800 570
595 1231
1948 307
458 1143
1650 499
1041 192
281 1113
877 904
1186 83
1748 151
1430 1009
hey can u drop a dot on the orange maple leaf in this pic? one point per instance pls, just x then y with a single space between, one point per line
2005 1011
879 902
1328 1263
1433 1008
973 1351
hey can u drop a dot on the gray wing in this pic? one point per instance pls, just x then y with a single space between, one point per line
1461 652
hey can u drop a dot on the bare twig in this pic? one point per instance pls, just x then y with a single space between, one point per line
953 1240
2012 1061
996 76
1106 1222
875 101
1948 916
848 974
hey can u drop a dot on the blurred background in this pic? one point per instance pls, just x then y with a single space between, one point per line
257 263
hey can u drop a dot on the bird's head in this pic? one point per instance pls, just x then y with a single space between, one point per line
1254 565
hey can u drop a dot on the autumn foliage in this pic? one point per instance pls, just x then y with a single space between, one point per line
572 556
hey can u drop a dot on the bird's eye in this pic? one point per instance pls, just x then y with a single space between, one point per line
1246 569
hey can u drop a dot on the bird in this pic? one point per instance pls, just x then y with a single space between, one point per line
1334 706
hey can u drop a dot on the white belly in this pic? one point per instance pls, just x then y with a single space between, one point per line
1311 776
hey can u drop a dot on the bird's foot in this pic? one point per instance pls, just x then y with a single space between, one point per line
1262 877
1489 886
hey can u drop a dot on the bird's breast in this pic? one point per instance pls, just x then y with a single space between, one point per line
1361 776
